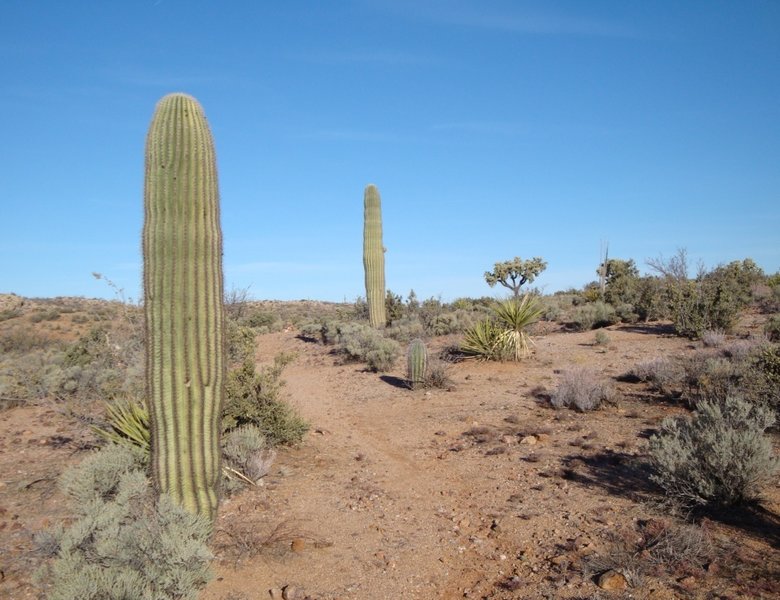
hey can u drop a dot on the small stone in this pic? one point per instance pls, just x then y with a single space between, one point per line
688 582
612 580
529 439
560 560
276 594
542 437
290 592
298 545
509 440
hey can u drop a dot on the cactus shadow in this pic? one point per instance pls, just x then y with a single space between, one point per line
395 381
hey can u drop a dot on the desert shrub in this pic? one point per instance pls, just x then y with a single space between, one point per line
125 542
240 340
742 349
711 376
405 329
450 322
44 315
718 457
713 338
438 375
601 338
762 380
394 306
593 315
253 398
362 343
9 313
625 313
772 328
79 319
651 545
557 307
247 455
662 374
20 340
263 322
582 389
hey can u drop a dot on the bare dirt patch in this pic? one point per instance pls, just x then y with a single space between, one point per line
480 491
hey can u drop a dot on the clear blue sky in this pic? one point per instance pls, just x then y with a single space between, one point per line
492 129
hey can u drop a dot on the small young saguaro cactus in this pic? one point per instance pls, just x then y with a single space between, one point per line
183 303
416 363
374 256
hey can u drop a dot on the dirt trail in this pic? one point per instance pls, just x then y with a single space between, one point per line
391 500
483 491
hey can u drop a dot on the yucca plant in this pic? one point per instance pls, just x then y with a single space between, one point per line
483 341
128 422
515 316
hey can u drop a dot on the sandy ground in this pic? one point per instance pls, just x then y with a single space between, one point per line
482 490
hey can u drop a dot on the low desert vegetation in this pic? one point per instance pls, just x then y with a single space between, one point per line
584 390
125 540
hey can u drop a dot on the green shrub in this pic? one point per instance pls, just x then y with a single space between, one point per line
253 398
405 329
593 315
450 322
240 342
719 457
762 380
582 389
772 328
359 342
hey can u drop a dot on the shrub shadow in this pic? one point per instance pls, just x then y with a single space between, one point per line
649 328
628 476
617 473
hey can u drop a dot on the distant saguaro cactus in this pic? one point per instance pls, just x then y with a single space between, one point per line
416 363
374 256
183 302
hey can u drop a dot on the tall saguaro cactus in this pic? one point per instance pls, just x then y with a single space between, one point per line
183 302
374 256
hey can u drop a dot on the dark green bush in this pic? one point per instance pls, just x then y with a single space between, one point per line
253 398
593 315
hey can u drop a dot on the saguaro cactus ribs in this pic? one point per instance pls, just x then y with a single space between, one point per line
183 302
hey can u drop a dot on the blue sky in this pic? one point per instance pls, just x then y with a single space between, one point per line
492 129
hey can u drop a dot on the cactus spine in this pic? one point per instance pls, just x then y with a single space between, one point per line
374 256
416 363
183 302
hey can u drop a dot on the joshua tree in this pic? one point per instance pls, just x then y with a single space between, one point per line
513 274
